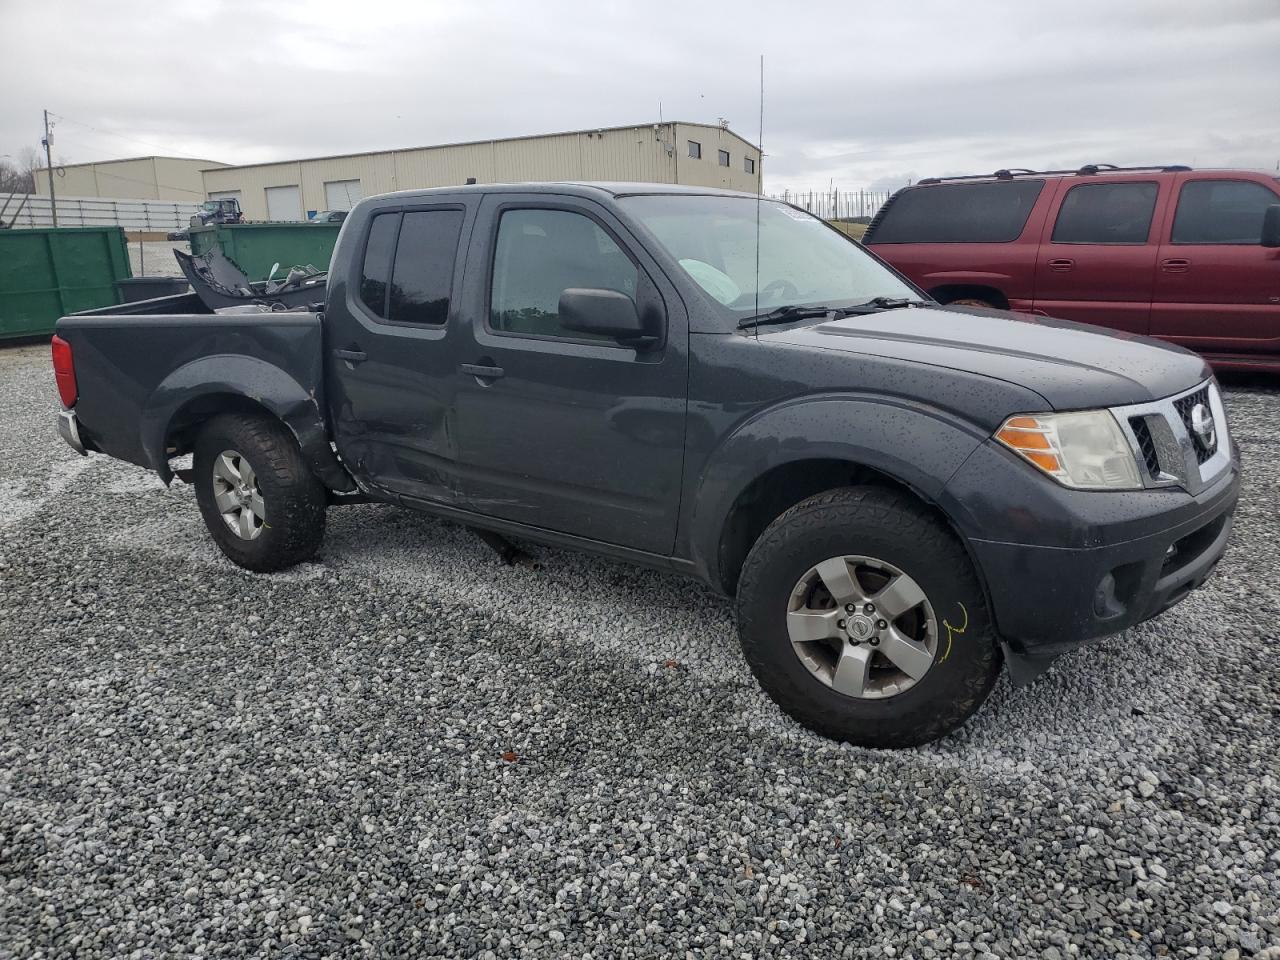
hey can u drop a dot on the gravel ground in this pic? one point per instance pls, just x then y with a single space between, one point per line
408 748
154 258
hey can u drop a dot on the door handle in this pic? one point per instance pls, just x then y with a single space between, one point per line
482 371
1061 265
351 356
1175 265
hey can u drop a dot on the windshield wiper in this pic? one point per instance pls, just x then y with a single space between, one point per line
890 303
788 314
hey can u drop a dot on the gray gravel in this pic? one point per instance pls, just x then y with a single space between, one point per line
154 258
407 748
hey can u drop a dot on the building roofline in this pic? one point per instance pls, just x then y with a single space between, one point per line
474 143
218 164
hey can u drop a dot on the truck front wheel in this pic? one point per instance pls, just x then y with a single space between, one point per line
861 616
264 508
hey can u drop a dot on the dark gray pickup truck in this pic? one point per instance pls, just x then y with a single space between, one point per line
901 497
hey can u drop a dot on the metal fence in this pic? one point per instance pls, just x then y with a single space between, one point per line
836 204
32 210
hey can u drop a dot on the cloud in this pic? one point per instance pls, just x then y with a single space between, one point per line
857 94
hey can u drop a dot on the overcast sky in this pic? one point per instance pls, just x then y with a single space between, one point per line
856 93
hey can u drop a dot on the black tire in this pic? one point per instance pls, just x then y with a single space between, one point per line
294 500
893 527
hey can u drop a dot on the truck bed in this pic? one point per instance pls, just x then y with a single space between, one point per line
141 367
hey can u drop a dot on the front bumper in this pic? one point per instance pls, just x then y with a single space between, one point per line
1072 565
69 430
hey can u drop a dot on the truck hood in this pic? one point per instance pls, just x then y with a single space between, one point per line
1071 365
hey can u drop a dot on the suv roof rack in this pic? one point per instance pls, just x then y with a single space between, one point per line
1088 170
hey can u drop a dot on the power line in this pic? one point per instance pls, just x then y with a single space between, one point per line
120 136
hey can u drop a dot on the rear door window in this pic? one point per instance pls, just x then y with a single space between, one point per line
1221 211
1106 213
376 272
422 280
958 213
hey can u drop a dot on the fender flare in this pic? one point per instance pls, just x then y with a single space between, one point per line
916 444
256 380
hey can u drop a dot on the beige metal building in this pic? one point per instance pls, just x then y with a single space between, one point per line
177 179
673 152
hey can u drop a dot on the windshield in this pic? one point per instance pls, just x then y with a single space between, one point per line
801 261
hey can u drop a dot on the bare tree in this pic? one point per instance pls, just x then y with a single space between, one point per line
19 176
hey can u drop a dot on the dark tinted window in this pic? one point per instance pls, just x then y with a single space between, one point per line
695 149
724 158
748 165
542 253
1221 211
377 262
423 275
1106 213
959 213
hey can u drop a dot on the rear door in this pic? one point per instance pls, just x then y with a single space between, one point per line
1217 288
392 346
1097 262
557 429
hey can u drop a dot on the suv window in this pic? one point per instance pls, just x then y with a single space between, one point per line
1106 213
1221 211
542 253
958 213
378 252
423 276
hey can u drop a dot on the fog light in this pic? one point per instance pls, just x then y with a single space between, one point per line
1105 604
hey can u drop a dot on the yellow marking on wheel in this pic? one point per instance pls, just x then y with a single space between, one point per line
951 629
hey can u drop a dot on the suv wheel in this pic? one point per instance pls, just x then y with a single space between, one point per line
861 616
263 506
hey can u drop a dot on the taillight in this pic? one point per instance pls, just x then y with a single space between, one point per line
64 371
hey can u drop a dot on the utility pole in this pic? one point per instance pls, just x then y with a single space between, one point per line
48 162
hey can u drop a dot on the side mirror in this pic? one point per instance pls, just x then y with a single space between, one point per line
606 313
1271 226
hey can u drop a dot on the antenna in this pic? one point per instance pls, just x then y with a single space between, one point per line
759 187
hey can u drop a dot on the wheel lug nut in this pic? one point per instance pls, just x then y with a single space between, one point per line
840 624
849 608
882 624
869 608
875 641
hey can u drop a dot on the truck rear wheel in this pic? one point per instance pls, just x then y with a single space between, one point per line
263 506
861 616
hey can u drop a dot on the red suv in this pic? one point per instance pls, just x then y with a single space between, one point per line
1190 256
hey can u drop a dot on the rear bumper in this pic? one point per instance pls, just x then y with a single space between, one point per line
69 430
1118 560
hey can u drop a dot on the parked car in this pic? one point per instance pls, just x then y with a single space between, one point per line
900 496
222 210
1190 256
329 216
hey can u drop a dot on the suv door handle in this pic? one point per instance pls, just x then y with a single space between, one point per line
1175 265
482 371
351 356
1061 265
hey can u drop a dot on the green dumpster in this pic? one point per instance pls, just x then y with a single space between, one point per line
255 247
48 273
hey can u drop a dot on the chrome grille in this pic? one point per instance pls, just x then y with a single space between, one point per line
1184 406
1146 445
1164 441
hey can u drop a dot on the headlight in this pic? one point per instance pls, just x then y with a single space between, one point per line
1087 450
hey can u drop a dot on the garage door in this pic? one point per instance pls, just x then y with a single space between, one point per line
341 194
284 203
225 195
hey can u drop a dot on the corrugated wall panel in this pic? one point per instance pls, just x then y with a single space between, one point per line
707 171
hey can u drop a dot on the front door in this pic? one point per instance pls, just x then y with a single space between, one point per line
1217 288
1098 261
391 347
558 429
